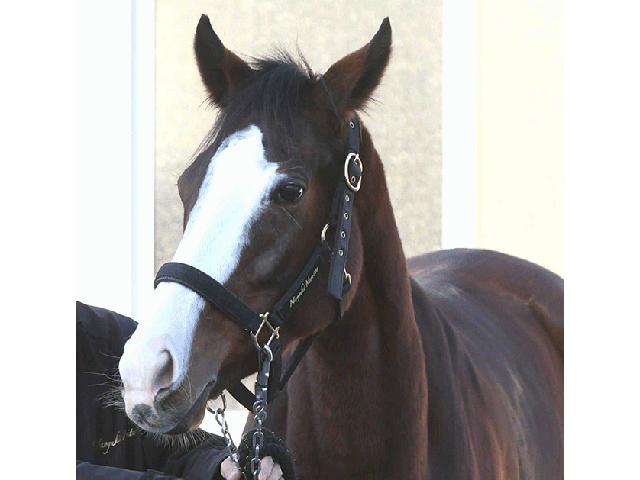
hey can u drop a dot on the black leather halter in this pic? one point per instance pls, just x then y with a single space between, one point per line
328 258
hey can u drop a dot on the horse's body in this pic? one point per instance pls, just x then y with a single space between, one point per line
448 366
459 354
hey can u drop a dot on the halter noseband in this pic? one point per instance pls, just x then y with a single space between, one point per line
333 255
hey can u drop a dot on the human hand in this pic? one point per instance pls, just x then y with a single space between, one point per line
269 470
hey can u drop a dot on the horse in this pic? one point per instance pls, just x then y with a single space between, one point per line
448 365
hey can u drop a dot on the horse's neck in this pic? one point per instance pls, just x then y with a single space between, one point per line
365 377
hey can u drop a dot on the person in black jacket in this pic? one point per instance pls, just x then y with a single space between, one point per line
108 444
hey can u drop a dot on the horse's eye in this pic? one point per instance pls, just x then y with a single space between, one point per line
290 192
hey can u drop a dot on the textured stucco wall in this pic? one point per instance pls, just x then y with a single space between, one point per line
405 122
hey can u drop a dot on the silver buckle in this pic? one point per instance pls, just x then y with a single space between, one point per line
351 180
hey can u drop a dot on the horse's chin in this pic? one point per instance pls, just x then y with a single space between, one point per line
197 420
196 413
193 418
216 391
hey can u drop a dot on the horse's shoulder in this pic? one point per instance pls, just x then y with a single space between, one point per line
479 313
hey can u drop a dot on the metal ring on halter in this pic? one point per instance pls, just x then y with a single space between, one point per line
275 332
266 349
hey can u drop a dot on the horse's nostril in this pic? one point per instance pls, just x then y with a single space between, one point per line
164 372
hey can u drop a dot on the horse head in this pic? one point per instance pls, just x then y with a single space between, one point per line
255 200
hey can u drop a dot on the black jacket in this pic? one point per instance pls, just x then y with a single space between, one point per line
108 444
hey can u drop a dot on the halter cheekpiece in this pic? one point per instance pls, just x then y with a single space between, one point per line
331 252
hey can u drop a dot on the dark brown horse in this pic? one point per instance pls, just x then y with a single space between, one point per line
445 366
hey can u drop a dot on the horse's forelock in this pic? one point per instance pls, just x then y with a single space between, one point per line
278 89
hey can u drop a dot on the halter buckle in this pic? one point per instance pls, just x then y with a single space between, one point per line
352 182
323 235
275 332
347 277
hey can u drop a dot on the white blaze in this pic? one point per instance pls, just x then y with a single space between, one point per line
234 191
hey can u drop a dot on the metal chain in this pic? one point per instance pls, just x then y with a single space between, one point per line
222 421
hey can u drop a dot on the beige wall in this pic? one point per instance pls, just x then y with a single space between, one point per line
405 123
519 201
520 167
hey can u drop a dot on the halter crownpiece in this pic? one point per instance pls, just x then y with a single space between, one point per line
332 255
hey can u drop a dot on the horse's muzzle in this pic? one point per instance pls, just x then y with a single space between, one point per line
166 417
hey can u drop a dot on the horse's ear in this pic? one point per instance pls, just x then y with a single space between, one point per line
352 79
220 69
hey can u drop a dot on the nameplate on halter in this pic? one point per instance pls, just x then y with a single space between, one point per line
303 287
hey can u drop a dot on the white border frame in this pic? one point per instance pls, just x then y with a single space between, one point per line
459 123
142 154
115 156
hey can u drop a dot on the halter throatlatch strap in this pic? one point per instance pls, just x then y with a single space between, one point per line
328 258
